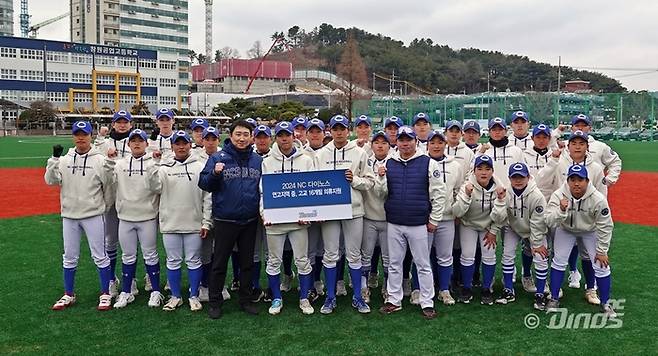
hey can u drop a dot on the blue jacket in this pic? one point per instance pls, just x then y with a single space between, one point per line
235 192
408 201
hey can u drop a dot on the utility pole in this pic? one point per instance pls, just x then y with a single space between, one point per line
559 75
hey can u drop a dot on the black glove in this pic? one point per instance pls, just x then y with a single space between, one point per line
155 133
57 150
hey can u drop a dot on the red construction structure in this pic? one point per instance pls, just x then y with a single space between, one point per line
242 69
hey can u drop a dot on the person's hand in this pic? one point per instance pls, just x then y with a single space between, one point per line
484 147
360 142
561 127
602 260
103 131
154 134
112 152
564 204
468 189
608 182
501 192
349 175
381 171
431 227
556 153
219 167
560 144
58 150
541 251
489 240
157 154
203 233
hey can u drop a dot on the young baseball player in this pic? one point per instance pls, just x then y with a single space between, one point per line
520 136
184 217
300 125
84 196
538 155
374 221
262 143
503 152
363 129
422 127
578 211
472 135
340 153
160 139
197 126
415 198
285 158
481 218
455 147
137 209
391 126
525 206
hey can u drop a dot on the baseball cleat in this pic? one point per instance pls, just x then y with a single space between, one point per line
172 303
365 295
591 297
167 287
319 287
147 283
466 296
104 302
574 279
312 295
389 308
406 287
133 288
305 306
64 302
529 284
275 308
506 297
540 301
415 297
446 298
156 299
360 305
328 306
373 280
552 306
124 299
257 295
114 287
203 294
235 285
429 313
286 282
195 304
267 298
225 294
486 297
607 310
340 289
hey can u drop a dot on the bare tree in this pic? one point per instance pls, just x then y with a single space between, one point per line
352 69
226 53
256 50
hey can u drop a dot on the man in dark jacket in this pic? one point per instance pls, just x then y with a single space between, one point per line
232 176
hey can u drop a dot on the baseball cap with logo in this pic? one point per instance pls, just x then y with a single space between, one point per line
338 120
362 119
199 122
262 129
519 115
581 117
315 123
137 132
180 134
210 131
518 169
406 131
497 121
577 170
420 116
283 126
299 120
83 126
579 134
122 114
251 122
393 120
436 133
165 114
472 125
453 123
379 134
541 129
484 159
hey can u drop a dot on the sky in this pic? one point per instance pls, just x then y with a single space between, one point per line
592 34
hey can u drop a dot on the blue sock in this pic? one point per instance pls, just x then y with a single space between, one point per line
604 288
467 276
415 284
527 264
588 272
128 275
105 275
573 259
305 282
444 277
508 274
287 263
317 268
330 275
274 282
255 275
340 269
556 282
540 280
113 262
174 278
488 272
69 280
194 276
355 275
205 274
235 264
154 275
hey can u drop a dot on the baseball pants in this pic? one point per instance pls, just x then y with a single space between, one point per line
94 229
374 233
353 230
299 243
443 239
563 244
179 245
468 239
144 232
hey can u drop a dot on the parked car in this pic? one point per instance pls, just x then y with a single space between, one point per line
604 133
627 134
648 135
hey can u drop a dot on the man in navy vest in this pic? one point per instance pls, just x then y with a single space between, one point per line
415 195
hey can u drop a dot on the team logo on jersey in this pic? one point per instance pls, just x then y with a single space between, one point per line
539 209
436 173
605 212
370 162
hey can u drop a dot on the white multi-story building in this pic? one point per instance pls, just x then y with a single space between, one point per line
158 25
6 17
78 77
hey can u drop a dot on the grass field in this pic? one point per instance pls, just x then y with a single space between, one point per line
31 264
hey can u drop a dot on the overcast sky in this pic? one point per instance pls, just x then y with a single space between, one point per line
600 34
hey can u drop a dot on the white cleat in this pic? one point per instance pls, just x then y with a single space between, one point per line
340 288
104 302
415 297
133 288
195 304
167 288
529 285
64 302
147 283
319 287
592 297
156 299
446 298
225 294
124 299
406 287
607 310
173 303
114 287
306 307
277 305
286 282
373 280
365 295
574 279
203 294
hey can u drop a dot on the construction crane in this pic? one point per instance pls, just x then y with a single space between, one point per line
208 31
33 30
25 19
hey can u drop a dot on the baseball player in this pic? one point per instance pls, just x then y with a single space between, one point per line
160 139
137 209
300 124
578 211
520 136
285 158
481 218
422 127
374 221
391 126
121 126
415 199
197 126
340 153
538 155
184 217
363 129
455 147
525 206
503 152
84 196
262 142
471 131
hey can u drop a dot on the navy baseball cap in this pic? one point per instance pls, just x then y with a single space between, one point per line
379 134
453 123
420 116
518 169
199 122
435 133
471 125
315 123
251 122
283 126
581 117
164 113
362 119
210 131
83 126
484 159
541 129
299 120
406 131
180 134
262 129
394 120
519 115
338 120
122 114
579 134
497 121
137 132
577 170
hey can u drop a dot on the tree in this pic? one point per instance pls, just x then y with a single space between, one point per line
352 69
280 42
226 53
193 55
140 109
256 51
201 58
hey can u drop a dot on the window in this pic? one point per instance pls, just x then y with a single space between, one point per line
149 82
59 57
57 96
167 64
105 79
82 97
7 52
130 81
150 99
81 78
128 99
167 82
148 63
57 77
105 98
8 74
80 58
105 61
127 62
32 75
31 95
10 94
168 101
31 54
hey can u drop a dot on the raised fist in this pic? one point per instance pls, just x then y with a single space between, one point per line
484 147
103 131
469 189
155 133
381 171
501 192
112 152
564 204
557 153
58 150
219 167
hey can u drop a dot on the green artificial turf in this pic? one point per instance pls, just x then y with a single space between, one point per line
32 282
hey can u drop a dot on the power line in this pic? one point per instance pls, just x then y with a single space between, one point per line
617 69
